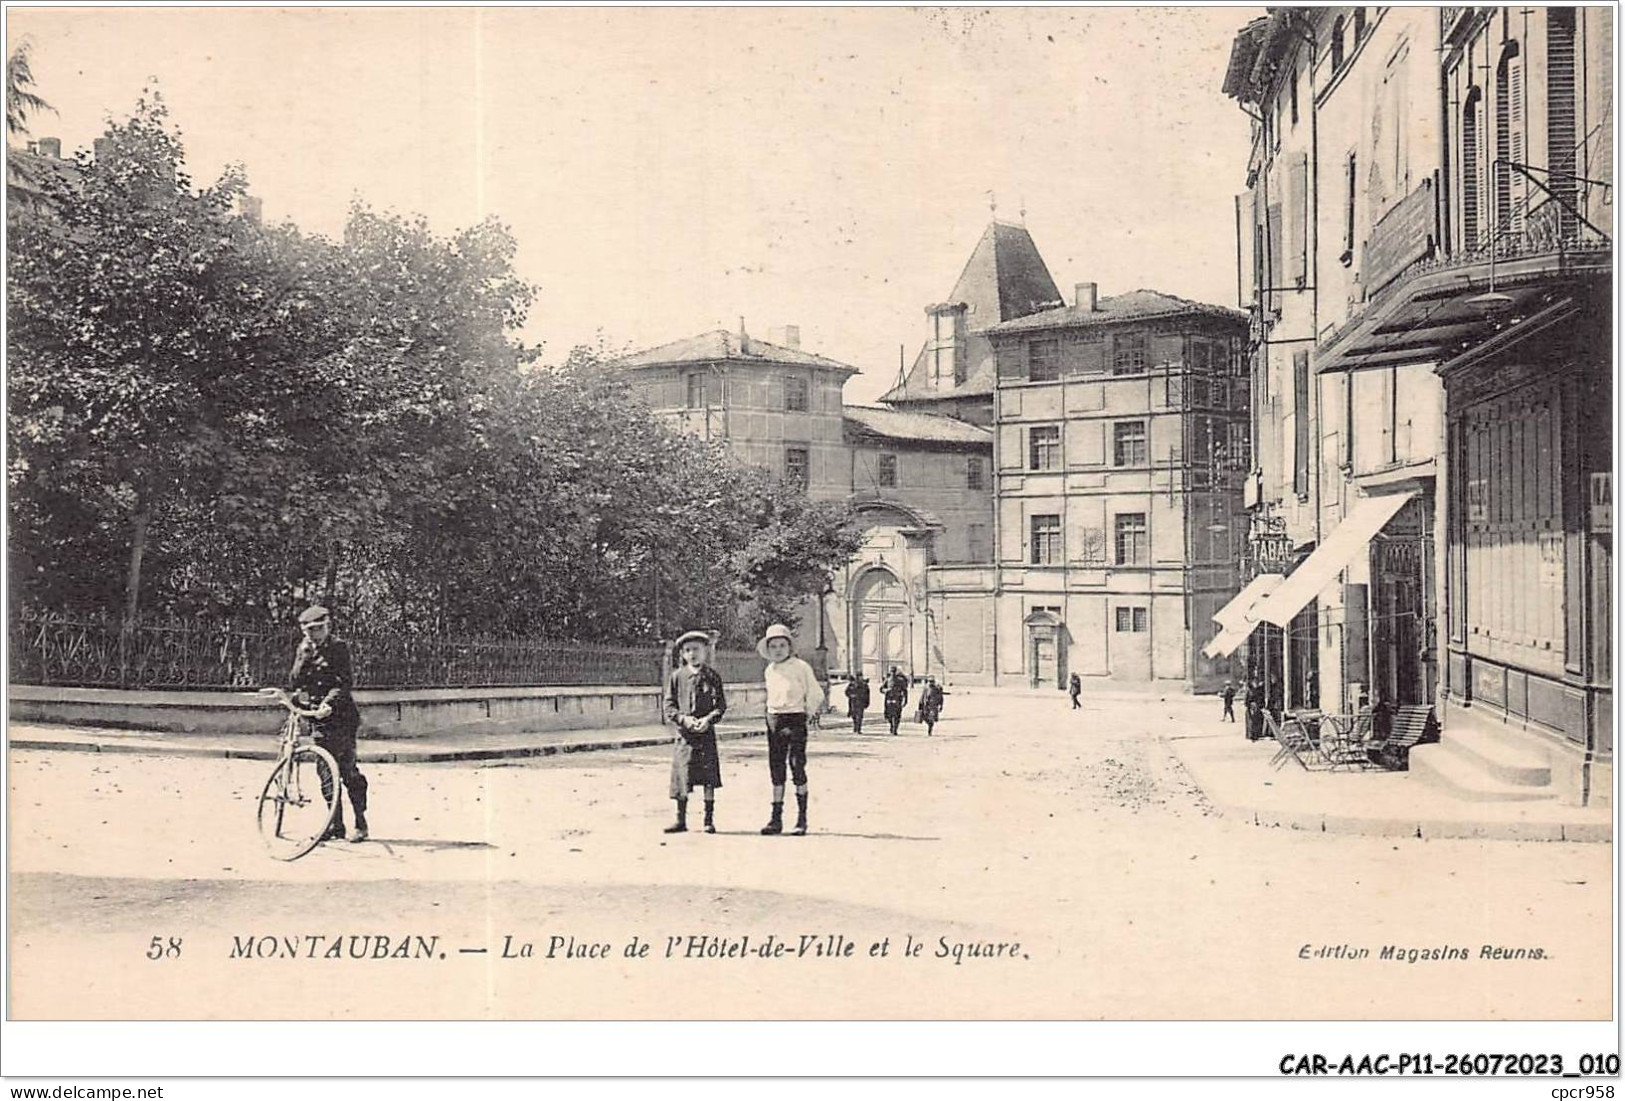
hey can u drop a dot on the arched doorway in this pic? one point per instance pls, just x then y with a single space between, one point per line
880 624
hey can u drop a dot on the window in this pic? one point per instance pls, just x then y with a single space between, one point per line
1129 441
974 477
1046 543
699 394
1337 44
1043 360
1471 184
1300 423
795 394
887 471
1128 353
1237 446
1350 184
1044 447
1561 146
1508 138
1294 79
1131 619
1132 546
796 466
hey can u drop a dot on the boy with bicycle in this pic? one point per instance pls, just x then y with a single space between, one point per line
322 680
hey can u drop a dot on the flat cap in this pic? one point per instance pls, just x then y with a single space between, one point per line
313 614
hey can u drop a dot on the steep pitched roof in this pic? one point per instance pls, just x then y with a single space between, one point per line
720 344
1140 305
929 428
1004 278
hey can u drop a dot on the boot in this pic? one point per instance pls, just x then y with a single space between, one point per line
359 834
335 828
710 823
801 814
681 825
776 823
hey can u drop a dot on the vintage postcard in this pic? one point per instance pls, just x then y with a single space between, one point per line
810 514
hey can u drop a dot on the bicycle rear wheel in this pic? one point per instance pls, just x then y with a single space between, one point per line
299 802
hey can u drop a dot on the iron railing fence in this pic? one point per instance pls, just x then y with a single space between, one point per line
94 650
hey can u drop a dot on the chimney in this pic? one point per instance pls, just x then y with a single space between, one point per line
792 336
50 147
1085 297
104 148
744 338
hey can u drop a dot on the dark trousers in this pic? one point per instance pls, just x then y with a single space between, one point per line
787 745
340 743
1230 710
857 720
894 715
1076 706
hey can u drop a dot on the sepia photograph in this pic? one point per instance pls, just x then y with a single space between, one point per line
813 514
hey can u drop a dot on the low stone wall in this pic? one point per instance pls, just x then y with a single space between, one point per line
406 713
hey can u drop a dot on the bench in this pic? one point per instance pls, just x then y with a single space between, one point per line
1408 726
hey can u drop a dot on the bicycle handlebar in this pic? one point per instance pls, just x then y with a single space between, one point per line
282 697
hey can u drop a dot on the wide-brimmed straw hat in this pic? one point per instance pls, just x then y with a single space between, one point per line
778 630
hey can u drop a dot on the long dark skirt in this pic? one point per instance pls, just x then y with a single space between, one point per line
695 764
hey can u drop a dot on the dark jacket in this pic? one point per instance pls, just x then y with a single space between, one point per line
323 675
695 693
857 694
931 703
897 690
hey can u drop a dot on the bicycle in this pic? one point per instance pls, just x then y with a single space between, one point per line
301 797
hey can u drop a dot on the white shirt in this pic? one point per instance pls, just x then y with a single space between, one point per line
792 686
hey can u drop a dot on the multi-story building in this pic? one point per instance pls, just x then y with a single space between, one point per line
1105 559
920 481
774 405
1121 437
1445 428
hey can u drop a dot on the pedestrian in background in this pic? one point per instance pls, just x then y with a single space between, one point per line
694 702
857 700
1229 701
1253 703
1075 688
322 679
896 695
794 698
931 704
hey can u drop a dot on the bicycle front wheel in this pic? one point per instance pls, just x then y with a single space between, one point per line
299 802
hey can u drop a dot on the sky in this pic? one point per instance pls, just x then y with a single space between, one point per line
672 170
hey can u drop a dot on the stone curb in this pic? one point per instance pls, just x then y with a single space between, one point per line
375 756
1426 829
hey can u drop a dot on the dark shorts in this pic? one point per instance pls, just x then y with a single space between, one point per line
787 745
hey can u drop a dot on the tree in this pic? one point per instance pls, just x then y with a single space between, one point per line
22 174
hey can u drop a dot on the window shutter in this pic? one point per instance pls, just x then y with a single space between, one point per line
1561 123
1297 244
1300 423
1515 146
1275 276
1246 261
